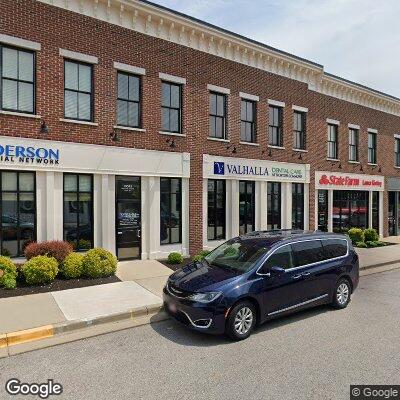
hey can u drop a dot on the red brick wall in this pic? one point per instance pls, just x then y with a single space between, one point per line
55 28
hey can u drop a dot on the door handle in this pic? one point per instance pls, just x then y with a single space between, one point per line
297 276
305 274
138 233
119 233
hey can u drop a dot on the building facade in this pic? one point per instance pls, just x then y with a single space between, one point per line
129 126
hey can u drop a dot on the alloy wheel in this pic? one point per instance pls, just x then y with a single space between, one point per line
342 293
243 320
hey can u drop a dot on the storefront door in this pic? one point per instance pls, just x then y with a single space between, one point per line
128 217
392 212
323 210
246 207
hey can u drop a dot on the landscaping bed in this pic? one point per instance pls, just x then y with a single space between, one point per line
176 260
175 267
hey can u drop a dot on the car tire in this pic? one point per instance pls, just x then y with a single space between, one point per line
341 294
241 321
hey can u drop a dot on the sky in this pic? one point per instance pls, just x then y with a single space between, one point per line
355 39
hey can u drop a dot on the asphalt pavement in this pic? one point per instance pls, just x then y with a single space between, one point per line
315 354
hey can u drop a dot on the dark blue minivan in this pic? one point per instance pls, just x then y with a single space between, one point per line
262 275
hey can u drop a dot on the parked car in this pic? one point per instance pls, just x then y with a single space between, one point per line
259 276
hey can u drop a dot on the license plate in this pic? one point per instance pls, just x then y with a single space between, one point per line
172 308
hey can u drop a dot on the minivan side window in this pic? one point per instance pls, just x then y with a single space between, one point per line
308 252
334 248
282 257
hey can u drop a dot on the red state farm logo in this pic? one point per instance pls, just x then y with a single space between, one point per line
334 180
324 180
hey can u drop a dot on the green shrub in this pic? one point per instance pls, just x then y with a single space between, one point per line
371 235
371 243
8 273
99 263
361 244
356 235
40 270
201 255
381 244
72 267
175 258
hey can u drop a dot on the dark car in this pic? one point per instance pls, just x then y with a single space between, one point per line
259 276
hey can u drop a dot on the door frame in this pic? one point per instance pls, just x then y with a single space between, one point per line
116 214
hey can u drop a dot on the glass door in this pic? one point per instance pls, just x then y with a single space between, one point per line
246 207
392 211
323 210
128 217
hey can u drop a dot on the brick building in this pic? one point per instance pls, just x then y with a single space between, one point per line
127 125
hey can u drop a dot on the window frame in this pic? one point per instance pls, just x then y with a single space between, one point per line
301 132
354 146
170 193
33 112
91 93
139 102
397 152
215 192
215 116
253 122
297 200
274 198
248 183
372 151
180 108
279 127
78 192
333 128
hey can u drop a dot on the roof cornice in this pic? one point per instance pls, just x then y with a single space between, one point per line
158 21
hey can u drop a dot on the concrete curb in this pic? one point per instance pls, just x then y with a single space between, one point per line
35 338
384 264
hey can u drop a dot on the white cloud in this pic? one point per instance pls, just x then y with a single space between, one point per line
355 39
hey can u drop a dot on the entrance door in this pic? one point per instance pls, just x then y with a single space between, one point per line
392 211
246 207
128 217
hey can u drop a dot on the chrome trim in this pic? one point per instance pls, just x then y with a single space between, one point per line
173 294
271 252
200 319
299 305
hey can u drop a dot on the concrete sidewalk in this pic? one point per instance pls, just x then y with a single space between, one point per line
379 256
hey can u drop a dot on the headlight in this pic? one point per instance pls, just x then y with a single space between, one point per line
204 297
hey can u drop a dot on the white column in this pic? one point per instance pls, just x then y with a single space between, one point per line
263 205
108 212
257 211
185 216
41 210
58 206
153 216
286 205
330 210
306 206
370 209
50 222
144 217
381 214
235 208
228 209
97 210
205 212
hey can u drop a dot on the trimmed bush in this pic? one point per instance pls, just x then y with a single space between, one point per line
72 266
8 273
356 235
40 270
99 263
361 244
55 248
371 243
175 258
201 255
371 235
381 244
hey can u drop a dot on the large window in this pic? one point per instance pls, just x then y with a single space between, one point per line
308 252
350 210
216 209
299 130
353 145
323 210
375 211
397 152
171 107
128 112
78 91
18 211
78 210
282 257
333 141
298 206
246 207
217 115
275 137
274 205
17 71
372 148
248 121
170 210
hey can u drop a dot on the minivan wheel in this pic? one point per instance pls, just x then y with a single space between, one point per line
342 294
241 321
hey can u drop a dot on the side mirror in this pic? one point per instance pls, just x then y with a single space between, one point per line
275 270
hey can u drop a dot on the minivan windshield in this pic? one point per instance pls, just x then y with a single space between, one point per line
237 255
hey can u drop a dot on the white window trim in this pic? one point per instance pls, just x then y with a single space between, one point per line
276 103
18 42
76 121
218 139
218 89
352 126
172 78
372 130
397 135
300 109
249 143
333 121
73 55
20 114
129 68
129 128
250 97
172 133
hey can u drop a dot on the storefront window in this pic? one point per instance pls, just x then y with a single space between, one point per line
216 209
170 210
18 215
298 206
350 210
375 210
274 205
246 207
323 210
78 210
392 211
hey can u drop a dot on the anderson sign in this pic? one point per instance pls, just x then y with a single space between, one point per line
15 154
333 180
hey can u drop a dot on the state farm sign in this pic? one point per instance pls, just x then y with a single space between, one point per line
342 181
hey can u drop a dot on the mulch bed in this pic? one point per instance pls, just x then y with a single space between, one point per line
58 284
174 267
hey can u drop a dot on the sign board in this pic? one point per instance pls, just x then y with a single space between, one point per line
344 181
